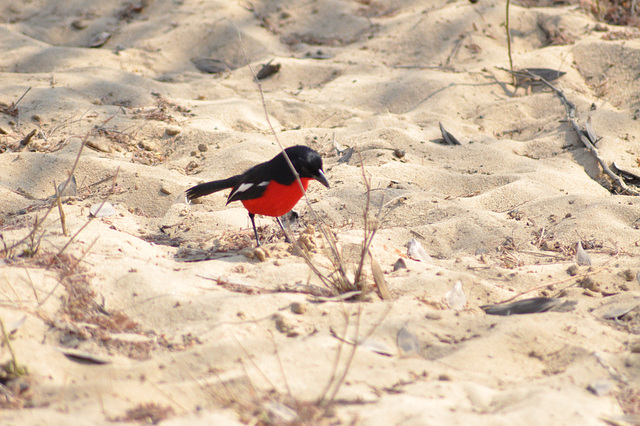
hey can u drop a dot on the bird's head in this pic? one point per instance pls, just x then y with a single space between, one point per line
307 162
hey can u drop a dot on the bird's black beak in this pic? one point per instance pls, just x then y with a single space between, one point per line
320 177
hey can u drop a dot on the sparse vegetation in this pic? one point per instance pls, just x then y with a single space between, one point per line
147 413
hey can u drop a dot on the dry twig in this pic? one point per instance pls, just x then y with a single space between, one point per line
104 200
570 110
63 217
509 40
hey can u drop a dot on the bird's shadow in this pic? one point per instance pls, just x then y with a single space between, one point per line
229 246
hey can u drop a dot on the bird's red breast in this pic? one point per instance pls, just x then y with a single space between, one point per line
277 199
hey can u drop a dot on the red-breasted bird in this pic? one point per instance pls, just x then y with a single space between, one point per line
269 188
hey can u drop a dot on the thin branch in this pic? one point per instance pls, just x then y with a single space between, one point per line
282 371
509 41
63 218
338 383
336 362
23 95
456 47
253 363
369 232
91 217
570 110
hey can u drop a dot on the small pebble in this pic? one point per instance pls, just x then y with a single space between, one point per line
590 293
202 147
307 243
298 308
248 253
99 145
628 275
172 130
433 316
165 190
99 39
260 254
79 24
590 284
601 27
102 210
398 153
283 326
572 270
149 145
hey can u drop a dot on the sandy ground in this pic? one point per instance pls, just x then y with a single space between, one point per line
186 327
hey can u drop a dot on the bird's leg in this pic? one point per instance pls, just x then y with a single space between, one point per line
255 231
286 238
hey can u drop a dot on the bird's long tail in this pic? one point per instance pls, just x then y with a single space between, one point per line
211 187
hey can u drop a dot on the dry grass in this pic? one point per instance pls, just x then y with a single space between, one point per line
14 380
629 400
148 413
268 408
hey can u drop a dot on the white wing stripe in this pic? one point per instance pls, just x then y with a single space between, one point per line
243 187
265 183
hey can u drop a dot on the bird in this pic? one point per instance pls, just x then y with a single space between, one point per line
269 188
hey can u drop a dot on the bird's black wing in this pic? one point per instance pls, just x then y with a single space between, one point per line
252 183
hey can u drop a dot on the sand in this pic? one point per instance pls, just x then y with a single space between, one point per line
165 294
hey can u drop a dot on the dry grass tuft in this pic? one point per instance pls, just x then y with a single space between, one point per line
629 400
149 413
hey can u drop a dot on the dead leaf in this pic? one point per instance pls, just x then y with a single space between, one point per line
378 277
